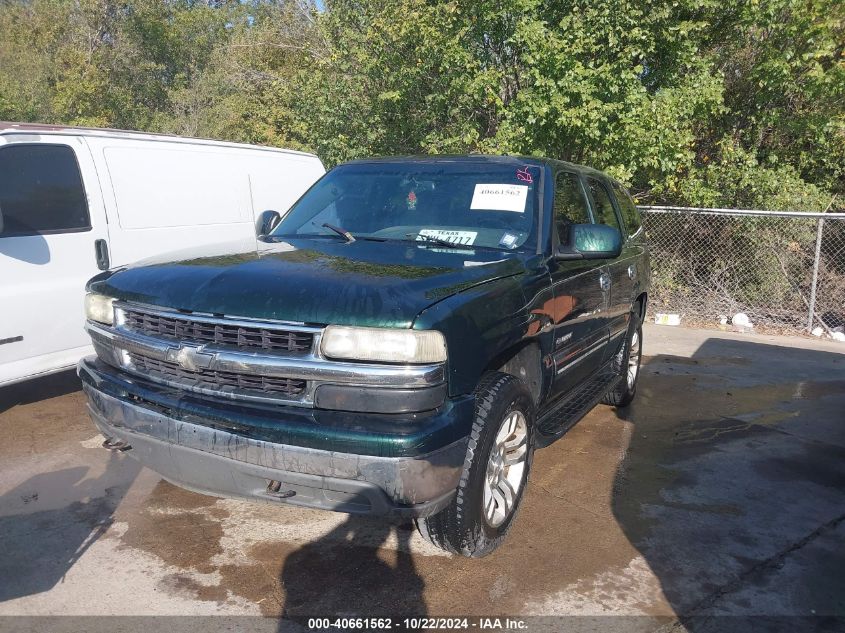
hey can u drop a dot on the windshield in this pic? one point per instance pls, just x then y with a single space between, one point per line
472 204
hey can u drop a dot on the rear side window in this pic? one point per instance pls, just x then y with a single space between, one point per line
570 204
41 190
630 214
604 205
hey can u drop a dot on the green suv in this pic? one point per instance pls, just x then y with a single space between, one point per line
399 344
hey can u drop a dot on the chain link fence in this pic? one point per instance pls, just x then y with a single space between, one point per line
785 270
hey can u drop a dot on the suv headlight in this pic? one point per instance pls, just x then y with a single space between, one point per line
99 308
386 345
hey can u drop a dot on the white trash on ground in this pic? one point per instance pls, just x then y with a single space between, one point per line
740 319
667 319
837 333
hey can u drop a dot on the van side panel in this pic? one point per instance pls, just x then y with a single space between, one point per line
165 187
164 197
169 196
276 184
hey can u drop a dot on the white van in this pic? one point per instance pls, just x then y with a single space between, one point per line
75 201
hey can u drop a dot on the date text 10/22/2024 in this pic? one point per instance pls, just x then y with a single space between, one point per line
417 624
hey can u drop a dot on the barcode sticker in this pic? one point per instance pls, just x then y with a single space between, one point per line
491 197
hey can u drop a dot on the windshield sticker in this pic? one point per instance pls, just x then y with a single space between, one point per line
508 240
524 175
455 237
412 201
490 197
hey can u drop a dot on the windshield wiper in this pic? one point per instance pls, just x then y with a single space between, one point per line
342 232
436 240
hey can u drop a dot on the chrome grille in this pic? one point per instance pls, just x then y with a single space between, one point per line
216 380
239 336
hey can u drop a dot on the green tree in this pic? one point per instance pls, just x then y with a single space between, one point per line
697 102
687 102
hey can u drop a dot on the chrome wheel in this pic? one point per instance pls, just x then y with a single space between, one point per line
634 359
505 468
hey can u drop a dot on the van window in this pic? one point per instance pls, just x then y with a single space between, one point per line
570 204
628 208
41 190
170 186
603 204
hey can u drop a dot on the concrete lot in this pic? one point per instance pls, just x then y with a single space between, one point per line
720 491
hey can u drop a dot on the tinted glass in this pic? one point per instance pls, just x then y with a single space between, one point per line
628 208
41 190
479 204
604 206
570 204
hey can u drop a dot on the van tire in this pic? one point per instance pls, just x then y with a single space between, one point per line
463 527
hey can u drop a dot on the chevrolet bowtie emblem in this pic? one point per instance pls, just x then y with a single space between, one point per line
190 358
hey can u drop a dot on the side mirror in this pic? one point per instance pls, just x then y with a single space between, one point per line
591 241
266 222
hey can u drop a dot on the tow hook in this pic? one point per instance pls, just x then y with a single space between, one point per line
116 445
274 488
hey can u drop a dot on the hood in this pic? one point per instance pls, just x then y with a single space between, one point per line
318 281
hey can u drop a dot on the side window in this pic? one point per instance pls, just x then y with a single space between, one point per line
41 190
630 214
570 204
604 206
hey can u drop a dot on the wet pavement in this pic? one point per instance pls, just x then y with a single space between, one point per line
721 490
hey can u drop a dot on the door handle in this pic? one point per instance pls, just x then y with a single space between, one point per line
632 272
604 282
101 252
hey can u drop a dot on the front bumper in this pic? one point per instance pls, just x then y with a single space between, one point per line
207 455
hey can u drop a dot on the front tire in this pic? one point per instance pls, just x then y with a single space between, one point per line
495 471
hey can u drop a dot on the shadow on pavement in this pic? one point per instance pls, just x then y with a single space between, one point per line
733 485
37 389
40 546
347 573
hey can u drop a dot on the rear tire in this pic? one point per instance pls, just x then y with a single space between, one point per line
495 471
627 364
